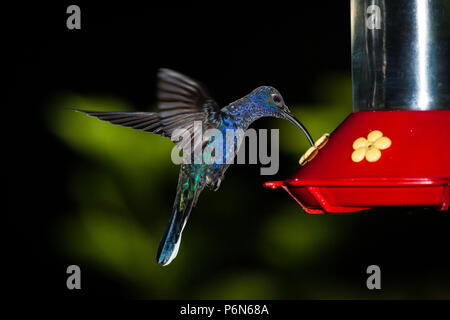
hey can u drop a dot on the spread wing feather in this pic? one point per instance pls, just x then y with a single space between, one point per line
181 100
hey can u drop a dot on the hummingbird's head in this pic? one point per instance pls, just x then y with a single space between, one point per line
270 103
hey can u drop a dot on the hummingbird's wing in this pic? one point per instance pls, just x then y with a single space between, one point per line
146 121
191 182
182 101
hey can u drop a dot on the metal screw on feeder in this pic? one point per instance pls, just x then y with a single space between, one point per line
401 103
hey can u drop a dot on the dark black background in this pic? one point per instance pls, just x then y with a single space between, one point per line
231 48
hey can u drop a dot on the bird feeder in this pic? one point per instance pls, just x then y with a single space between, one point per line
393 150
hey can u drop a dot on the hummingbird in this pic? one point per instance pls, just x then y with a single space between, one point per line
181 102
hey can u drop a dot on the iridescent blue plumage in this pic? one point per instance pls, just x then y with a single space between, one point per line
182 103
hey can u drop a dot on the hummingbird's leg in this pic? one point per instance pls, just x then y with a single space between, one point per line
218 182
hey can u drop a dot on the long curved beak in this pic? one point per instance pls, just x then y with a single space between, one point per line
294 120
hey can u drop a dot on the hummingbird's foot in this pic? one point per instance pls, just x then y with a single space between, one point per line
217 185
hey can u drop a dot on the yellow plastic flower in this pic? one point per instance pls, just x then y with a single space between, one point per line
370 148
312 152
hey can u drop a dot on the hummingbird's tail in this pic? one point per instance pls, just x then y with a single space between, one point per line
187 194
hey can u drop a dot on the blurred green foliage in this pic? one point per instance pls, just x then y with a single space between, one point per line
123 187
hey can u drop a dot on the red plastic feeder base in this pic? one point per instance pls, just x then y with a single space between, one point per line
413 171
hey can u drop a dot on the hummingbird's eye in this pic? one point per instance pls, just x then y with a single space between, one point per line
277 99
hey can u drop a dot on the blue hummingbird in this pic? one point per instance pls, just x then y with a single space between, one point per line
183 101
